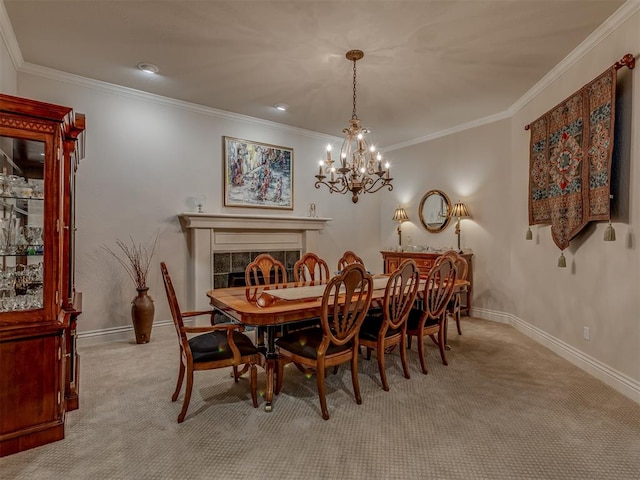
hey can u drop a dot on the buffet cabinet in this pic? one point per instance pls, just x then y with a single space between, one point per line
40 147
425 261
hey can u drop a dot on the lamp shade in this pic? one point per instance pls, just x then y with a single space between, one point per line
400 215
460 210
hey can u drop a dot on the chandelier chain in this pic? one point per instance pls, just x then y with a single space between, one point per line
354 115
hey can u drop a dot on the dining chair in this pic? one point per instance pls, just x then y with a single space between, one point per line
311 268
430 319
265 270
462 269
218 346
387 328
348 258
345 302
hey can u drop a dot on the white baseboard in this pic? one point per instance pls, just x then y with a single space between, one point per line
615 379
115 334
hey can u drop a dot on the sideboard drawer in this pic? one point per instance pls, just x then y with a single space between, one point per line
424 264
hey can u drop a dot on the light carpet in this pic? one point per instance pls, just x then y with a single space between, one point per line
504 408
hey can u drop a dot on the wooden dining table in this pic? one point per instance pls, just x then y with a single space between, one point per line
270 307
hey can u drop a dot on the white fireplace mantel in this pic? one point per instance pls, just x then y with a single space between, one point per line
209 233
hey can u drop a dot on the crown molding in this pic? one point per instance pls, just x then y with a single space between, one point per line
9 38
114 89
449 131
603 31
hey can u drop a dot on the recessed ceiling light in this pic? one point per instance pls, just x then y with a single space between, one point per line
282 107
148 67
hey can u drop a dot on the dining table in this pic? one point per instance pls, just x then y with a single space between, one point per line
270 307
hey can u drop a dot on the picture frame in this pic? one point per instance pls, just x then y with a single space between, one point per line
257 174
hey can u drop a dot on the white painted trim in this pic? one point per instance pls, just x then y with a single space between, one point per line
114 89
615 379
114 334
450 131
614 21
9 38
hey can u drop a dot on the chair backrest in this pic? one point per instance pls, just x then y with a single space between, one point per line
459 262
400 294
345 303
176 314
311 268
439 287
348 258
265 270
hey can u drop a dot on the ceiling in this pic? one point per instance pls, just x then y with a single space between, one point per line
429 66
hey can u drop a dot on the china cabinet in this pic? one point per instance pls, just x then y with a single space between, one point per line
425 260
40 147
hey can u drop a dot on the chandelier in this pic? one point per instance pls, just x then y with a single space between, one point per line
360 168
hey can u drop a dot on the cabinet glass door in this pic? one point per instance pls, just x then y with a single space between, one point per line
22 167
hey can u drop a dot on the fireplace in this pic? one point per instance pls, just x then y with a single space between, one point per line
220 244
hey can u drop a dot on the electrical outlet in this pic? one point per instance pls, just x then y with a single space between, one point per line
585 333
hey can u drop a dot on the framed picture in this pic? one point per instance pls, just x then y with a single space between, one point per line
257 174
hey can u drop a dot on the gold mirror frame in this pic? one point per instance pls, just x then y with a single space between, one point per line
427 217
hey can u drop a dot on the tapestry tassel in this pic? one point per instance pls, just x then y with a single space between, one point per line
562 262
529 234
610 234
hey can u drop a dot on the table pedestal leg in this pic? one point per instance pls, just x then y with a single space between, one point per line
271 363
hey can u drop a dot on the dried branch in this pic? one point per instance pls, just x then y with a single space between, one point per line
135 258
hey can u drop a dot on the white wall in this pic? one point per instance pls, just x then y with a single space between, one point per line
144 158
600 286
517 280
471 167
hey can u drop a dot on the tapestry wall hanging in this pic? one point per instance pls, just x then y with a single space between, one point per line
570 159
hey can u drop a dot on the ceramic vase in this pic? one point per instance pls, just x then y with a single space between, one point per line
142 312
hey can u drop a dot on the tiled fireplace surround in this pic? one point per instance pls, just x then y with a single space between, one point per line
222 243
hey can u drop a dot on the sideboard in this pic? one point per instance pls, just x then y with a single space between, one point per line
425 260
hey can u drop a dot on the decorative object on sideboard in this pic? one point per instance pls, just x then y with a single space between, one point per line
361 169
136 258
460 211
400 215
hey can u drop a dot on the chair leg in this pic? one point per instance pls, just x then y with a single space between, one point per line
174 397
381 368
236 375
441 345
354 378
403 358
409 337
320 373
254 386
423 363
456 314
369 353
187 395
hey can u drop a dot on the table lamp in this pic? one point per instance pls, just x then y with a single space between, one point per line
400 216
459 210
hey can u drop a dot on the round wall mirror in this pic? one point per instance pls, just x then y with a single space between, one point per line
435 211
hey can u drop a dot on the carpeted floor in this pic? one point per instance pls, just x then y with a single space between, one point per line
504 408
